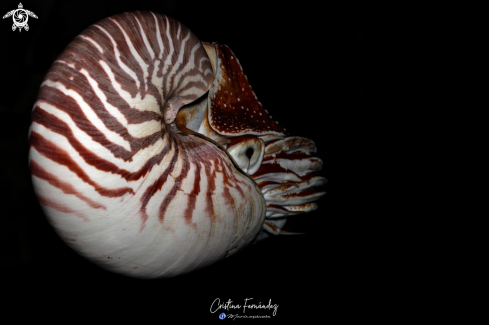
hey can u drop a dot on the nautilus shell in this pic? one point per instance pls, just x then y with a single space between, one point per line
151 155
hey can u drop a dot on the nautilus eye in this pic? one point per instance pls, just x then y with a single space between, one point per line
152 157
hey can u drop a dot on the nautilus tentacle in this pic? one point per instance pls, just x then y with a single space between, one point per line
151 156
283 167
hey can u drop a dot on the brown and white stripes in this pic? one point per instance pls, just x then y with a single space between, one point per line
115 181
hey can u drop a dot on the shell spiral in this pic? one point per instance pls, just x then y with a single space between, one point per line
136 183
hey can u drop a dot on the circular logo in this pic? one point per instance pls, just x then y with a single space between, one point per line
20 18
222 316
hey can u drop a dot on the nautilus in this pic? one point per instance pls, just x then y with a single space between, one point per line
151 156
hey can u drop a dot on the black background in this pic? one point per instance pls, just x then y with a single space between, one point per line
306 65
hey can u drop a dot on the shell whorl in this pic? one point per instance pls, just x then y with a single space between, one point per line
117 180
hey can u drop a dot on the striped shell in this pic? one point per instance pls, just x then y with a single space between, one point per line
151 156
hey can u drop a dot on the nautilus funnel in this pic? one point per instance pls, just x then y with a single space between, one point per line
151 155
